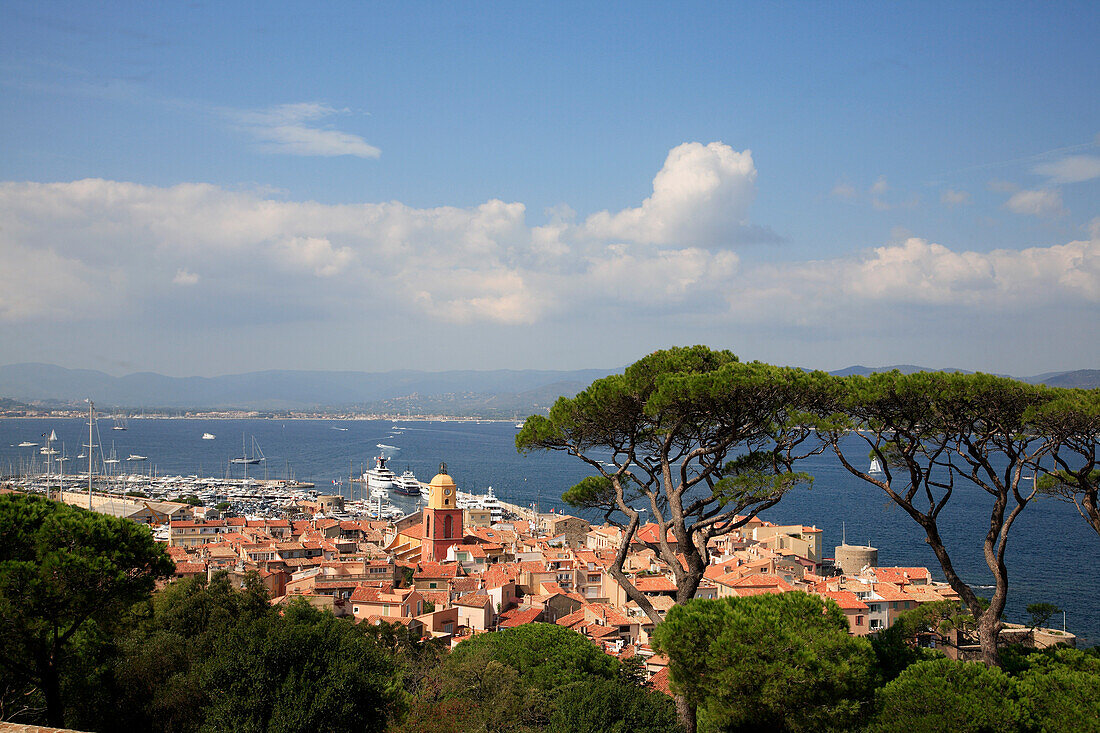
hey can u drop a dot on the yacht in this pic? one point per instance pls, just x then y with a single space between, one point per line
380 479
487 501
252 459
407 484
207 436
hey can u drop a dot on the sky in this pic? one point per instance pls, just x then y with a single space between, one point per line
199 189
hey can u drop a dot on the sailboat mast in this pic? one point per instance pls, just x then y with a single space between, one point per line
91 406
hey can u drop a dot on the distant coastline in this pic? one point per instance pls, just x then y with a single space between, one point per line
47 414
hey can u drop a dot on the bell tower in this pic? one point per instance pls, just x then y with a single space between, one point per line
442 518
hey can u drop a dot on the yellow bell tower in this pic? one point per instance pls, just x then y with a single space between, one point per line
442 517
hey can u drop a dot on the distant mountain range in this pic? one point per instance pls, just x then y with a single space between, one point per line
499 393
1079 378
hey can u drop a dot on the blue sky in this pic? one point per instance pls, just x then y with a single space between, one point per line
212 188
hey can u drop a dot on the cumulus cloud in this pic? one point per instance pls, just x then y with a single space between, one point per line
315 254
1071 169
95 248
701 197
483 263
291 129
1042 202
918 273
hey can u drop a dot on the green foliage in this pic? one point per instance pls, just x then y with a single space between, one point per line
304 671
475 692
63 570
1060 690
592 492
191 500
1040 613
545 655
943 694
611 706
784 662
895 651
208 656
536 677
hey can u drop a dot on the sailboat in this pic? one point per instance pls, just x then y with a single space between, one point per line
256 456
120 423
876 466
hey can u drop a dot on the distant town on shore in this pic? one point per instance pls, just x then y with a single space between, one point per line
46 390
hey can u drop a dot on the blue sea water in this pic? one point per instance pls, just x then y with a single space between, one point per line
1052 554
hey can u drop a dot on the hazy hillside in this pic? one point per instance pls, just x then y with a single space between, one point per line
466 392
498 393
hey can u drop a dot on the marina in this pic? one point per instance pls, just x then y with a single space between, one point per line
480 455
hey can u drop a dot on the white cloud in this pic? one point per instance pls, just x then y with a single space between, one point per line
951 197
184 277
96 248
287 129
483 263
1043 202
701 197
879 187
914 275
1071 169
316 254
37 283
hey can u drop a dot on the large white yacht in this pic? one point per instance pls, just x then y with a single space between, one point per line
488 501
380 480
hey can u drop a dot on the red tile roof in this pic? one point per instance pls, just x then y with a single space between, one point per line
518 617
846 600
654 584
661 682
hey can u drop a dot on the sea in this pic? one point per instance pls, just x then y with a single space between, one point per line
1052 553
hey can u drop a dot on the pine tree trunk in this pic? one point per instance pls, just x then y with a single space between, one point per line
685 711
51 688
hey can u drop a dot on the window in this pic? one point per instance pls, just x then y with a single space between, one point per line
859 620
431 585
447 521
